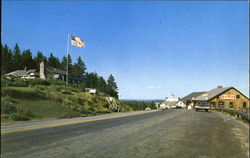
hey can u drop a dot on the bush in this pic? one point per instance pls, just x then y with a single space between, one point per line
23 111
66 92
70 114
4 117
19 83
7 106
37 81
56 82
18 117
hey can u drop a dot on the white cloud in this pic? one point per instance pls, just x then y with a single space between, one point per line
152 87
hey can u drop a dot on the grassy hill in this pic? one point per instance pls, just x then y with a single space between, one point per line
52 101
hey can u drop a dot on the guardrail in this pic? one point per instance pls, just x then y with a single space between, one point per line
237 113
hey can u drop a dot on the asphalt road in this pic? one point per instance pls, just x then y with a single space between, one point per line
163 134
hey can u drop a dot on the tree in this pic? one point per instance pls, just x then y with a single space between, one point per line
17 57
6 59
39 58
102 85
64 63
92 80
53 61
112 88
27 60
78 68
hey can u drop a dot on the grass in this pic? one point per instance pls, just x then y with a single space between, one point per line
44 108
54 101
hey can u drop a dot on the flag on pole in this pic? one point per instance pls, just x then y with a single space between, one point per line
76 41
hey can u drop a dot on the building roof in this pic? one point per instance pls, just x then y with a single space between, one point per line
56 70
21 72
192 95
212 93
170 103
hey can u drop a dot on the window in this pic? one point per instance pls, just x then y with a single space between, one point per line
231 104
244 104
221 104
213 103
237 96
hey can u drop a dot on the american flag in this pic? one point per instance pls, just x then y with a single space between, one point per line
76 41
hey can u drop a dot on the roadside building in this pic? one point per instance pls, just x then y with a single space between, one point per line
169 103
225 97
58 74
181 104
219 97
188 100
27 74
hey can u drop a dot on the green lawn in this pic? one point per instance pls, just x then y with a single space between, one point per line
55 101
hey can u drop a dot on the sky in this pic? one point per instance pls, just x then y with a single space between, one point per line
153 48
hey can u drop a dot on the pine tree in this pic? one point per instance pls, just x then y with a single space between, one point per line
92 80
27 60
17 58
79 68
64 63
102 85
53 61
39 58
6 59
112 88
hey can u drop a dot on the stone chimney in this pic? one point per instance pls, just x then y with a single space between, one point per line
42 75
219 86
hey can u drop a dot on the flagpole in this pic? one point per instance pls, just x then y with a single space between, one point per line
67 69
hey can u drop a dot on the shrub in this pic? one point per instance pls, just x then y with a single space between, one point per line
37 81
66 92
18 117
70 114
23 111
19 83
7 106
4 117
56 82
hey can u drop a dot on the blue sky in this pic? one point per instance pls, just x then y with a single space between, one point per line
153 49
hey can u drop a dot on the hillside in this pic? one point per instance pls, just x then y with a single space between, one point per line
53 101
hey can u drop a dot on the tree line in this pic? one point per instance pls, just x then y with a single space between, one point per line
140 105
15 59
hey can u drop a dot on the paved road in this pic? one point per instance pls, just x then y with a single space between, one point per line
164 134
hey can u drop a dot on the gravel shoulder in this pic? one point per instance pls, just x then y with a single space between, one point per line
163 134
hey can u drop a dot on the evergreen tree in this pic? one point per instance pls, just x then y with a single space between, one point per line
64 63
102 85
92 80
78 68
53 61
112 88
6 59
27 60
39 58
17 57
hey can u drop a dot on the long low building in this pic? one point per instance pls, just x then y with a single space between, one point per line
226 97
